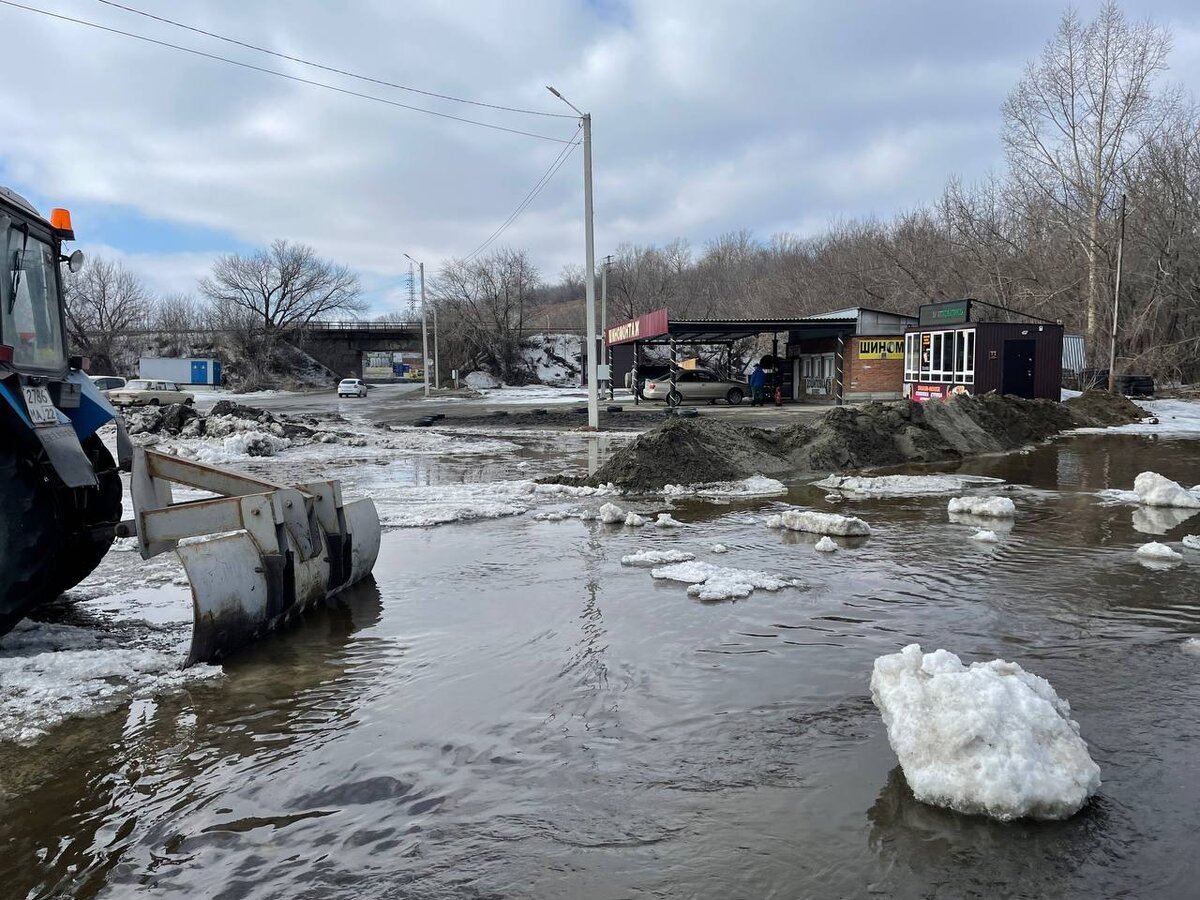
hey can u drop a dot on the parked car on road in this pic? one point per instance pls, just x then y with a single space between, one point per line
696 384
106 383
352 387
150 392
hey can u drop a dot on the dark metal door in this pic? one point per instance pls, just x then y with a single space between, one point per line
1018 368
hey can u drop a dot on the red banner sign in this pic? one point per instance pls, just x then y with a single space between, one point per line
652 324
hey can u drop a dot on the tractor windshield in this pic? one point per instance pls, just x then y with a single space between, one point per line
30 320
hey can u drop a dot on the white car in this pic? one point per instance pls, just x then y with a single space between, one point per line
352 387
150 392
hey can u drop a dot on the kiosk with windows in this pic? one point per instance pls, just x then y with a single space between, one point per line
954 349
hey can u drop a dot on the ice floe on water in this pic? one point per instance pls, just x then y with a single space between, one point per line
416 506
1191 645
651 558
985 536
826 545
902 485
666 520
718 548
1153 489
1159 552
611 514
754 486
709 582
988 739
819 523
51 673
633 520
1192 541
989 507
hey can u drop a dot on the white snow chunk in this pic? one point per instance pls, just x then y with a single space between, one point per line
754 486
821 523
985 536
826 545
611 514
666 520
651 558
718 548
991 739
587 515
1192 645
774 521
902 485
1192 541
549 516
1153 489
1161 552
481 380
633 520
992 507
709 582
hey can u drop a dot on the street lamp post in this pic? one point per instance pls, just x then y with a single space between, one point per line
424 328
590 253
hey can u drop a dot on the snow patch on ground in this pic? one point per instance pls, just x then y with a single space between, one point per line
418 506
826 545
709 582
819 523
1153 489
51 673
554 358
988 739
651 558
990 507
902 485
1175 419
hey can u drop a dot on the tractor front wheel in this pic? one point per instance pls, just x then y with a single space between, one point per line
27 535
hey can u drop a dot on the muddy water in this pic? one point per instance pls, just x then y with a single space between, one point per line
508 712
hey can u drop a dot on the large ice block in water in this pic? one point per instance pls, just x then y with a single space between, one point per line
1153 489
820 523
988 739
992 507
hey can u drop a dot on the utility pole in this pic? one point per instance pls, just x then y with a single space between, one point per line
424 328
1112 343
604 321
437 372
590 261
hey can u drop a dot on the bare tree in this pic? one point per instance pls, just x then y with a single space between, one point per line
1078 118
282 287
103 300
482 306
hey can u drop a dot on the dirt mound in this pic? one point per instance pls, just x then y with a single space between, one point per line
1100 408
689 451
876 434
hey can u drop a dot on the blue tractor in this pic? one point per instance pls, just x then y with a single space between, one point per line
277 549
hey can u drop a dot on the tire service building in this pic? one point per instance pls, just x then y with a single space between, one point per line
954 349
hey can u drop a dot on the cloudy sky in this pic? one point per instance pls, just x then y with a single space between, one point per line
709 116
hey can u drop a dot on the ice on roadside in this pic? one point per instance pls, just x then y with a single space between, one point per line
901 485
651 558
988 739
1159 552
1153 489
709 582
826 545
52 673
666 520
819 523
985 536
989 507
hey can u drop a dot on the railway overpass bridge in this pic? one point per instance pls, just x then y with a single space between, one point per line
339 346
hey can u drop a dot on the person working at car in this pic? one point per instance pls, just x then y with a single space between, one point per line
758 385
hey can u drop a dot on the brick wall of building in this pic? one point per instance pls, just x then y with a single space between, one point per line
872 379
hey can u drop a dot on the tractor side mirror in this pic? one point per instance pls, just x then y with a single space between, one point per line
75 261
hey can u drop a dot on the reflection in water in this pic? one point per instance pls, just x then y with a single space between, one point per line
512 713
1160 519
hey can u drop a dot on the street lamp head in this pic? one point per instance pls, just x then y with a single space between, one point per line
554 92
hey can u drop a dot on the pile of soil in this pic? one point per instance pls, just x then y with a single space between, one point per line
1101 409
553 418
684 451
226 417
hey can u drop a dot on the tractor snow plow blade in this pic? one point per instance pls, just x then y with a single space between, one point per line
270 551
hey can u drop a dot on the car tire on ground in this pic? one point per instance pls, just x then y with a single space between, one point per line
674 398
734 397
154 401
190 401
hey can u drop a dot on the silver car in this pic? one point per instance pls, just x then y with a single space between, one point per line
696 385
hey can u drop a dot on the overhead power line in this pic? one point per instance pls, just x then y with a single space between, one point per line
336 71
539 186
278 74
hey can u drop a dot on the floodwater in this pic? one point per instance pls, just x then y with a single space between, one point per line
506 711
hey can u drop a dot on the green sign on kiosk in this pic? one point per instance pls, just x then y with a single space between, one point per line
954 312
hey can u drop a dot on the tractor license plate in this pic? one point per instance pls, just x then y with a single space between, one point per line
41 410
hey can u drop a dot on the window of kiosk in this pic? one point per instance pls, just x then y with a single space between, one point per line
964 356
912 357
